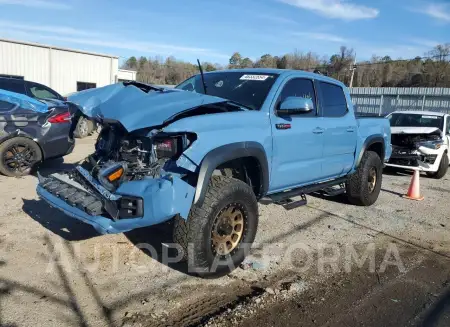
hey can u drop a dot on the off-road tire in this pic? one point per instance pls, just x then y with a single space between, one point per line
22 141
357 186
82 128
194 234
443 168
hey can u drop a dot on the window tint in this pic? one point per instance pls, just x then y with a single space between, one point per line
333 102
247 89
448 125
299 87
416 120
41 92
12 85
85 85
12 76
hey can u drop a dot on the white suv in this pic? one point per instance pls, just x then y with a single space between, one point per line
420 141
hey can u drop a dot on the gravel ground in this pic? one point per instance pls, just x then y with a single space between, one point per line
55 271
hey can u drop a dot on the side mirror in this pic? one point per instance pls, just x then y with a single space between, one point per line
295 106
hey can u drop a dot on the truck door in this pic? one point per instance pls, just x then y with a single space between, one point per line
297 139
340 136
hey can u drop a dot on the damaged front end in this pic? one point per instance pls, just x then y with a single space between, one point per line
416 150
132 180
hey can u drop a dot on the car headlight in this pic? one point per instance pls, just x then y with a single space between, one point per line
171 146
435 145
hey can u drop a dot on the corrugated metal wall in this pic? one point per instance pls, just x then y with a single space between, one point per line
58 68
384 100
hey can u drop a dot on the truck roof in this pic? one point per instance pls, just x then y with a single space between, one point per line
420 112
280 72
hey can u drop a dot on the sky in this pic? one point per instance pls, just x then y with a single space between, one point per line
213 30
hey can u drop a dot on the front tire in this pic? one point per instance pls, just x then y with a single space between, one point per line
443 168
218 234
18 156
364 186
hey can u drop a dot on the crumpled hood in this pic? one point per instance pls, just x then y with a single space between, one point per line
415 130
136 109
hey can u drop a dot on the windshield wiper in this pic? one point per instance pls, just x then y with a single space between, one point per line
240 104
144 87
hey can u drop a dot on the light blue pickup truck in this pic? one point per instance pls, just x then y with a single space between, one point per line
205 152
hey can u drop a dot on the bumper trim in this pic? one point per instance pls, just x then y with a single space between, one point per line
103 225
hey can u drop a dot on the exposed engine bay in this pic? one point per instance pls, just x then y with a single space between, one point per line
416 149
413 141
136 155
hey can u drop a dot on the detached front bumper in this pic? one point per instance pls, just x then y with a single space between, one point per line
421 159
160 199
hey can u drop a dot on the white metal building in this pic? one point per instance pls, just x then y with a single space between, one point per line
64 70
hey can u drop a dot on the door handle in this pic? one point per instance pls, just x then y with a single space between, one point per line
350 129
318 130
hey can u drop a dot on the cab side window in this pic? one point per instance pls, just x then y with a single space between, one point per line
299 87
333 102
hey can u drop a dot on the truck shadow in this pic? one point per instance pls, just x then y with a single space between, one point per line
157 242
57 222
52 166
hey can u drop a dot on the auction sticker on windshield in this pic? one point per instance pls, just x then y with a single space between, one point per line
254 77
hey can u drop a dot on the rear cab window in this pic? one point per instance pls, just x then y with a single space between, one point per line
333 100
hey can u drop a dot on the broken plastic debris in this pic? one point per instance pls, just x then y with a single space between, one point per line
247 264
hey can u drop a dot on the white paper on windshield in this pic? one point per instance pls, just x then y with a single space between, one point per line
254 77
430 117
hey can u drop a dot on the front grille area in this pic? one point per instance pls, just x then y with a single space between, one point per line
86 198
76 197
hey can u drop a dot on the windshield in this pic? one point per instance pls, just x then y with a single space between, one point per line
247 89
416 120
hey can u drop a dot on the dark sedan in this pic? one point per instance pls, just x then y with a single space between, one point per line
31 131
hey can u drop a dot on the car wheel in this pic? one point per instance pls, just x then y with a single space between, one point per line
218 234
18 156
364 186
443 168
82 128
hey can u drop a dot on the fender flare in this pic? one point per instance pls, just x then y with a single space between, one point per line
225 153
367 143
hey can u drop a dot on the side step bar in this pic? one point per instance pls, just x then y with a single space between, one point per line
285 198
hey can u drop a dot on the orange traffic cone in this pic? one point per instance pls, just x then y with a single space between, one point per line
414 188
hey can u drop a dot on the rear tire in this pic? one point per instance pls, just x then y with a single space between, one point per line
364 186
199 235
443 168
18 156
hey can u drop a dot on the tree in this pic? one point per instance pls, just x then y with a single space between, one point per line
142 62
433 71
266 61
235 60
246 63
131 63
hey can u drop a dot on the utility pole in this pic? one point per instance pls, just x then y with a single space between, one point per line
353 72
